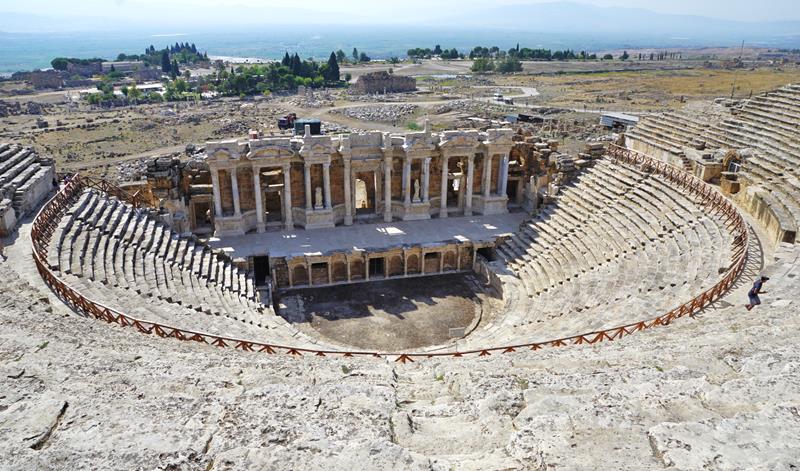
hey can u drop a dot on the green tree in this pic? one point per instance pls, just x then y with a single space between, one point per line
482 64
355 55
59 63
166 67
437 50
508 65
333 69
364 57
287 60
174 70
341 57
181 86
608 57
134 94
624 55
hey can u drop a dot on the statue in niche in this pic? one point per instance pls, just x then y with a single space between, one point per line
416 191
318 198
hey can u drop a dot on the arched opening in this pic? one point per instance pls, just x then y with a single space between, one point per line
412 264
299 275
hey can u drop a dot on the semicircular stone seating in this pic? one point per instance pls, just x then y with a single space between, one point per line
123 258
768 125
618 246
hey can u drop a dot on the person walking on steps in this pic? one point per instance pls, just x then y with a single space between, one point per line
755 291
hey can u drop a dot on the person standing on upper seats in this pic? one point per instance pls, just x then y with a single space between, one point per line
755 291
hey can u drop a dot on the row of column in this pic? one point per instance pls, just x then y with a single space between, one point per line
502 179
237 210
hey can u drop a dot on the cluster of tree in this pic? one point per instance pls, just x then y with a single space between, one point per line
329 71
355 58
286 75
427 53
660 56
105 93
503 65
60 63
360 56
168 58
529 54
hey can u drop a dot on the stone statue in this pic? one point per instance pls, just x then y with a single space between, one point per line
416 190
318 198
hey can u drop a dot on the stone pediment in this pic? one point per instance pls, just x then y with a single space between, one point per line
418 142
316 146
266 148
459 140
222 150
499 137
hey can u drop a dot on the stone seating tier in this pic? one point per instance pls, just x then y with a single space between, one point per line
121 257
617 245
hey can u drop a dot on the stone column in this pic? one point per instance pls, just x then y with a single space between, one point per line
407 182
237 210
287 197
487 175
348 196
258 195
217 198
443 200
468 193
503 177
326 183
387 191
307 169
426 176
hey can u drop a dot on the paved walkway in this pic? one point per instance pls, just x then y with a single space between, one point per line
365 236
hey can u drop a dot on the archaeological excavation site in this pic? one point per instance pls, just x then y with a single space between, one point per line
525 291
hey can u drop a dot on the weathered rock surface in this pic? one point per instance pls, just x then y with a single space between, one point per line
718 391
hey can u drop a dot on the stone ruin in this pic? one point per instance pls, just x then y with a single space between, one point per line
616 245
761 132
25 180
383 82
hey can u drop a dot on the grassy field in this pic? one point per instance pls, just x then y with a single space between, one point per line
651 90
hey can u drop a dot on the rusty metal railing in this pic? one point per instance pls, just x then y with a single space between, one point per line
48 218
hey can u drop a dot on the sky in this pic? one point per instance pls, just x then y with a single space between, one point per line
355 11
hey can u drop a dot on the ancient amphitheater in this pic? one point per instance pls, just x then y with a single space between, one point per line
146 327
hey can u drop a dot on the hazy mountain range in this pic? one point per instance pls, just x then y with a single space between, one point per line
557 17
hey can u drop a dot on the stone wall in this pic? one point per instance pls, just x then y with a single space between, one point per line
26 179
383 82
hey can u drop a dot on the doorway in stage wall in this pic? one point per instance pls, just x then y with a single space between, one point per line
261 270
365 194
203 217
376 268
512 187
273 194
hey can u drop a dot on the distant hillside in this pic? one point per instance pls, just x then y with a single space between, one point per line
570 17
